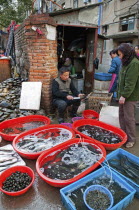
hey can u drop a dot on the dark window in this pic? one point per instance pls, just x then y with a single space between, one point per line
127 23
104 29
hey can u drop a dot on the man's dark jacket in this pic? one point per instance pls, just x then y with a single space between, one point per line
58 94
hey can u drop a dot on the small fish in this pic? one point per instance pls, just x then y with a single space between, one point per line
3 168
40 148
26 145
9 162
6 152
4 158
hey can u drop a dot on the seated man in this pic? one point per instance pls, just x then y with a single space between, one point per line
63 92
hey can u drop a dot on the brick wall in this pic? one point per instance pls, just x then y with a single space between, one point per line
36 55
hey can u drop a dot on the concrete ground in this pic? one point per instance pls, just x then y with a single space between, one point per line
45 197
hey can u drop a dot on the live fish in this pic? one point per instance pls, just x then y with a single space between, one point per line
126 166
72 161
100 134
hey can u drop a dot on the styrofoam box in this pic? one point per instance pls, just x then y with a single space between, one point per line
114 155
82 182
101 85
79 84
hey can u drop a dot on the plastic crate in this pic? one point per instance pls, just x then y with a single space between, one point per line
134 158
97 99
102 76
82 182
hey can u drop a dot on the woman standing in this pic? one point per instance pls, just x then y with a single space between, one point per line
114 69
128 91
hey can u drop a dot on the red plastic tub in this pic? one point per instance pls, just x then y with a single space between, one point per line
92 122
40 132
90 114
9 129
49 155
8 173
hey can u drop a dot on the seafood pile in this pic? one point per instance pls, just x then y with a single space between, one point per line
126 166
21 127
9 158
72 161
10 91
43 140
118 192
16 182
95 199
100 134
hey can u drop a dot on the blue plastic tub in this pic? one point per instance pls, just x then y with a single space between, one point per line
114 155
69 205
102 76
101 189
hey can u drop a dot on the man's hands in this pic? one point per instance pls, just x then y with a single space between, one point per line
69 97
121 100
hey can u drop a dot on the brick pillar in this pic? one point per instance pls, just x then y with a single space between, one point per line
40 51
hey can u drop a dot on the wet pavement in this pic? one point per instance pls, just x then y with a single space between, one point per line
45 197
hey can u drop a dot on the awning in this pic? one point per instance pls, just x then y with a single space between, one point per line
123 35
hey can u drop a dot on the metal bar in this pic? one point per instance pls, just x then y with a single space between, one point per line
95 54
56 4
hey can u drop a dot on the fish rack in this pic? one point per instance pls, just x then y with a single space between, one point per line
97 99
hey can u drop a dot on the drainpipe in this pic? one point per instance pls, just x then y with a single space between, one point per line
100 15
51 7
39 6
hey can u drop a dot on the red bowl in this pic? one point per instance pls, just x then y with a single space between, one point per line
90 114
100 124
20 120
47 155
30 132
4 175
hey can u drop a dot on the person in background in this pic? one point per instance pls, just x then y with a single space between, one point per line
63 93
114 69
128 91
1 53
137 50
68 64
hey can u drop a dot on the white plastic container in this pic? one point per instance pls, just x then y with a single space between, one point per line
101 85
